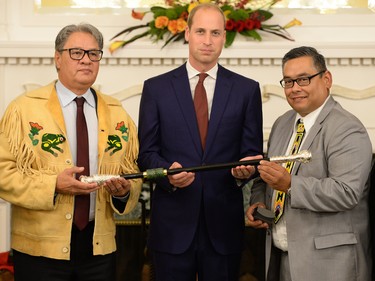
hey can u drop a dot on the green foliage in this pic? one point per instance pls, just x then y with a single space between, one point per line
237 15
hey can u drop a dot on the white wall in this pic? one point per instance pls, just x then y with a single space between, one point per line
347 41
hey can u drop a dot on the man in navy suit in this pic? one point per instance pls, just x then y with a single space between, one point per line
197 219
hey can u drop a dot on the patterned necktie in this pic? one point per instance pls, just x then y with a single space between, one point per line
201 108
280 195
82 202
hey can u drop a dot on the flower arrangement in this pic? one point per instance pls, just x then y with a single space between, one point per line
169 22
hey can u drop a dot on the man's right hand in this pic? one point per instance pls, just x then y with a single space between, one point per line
66 183
251 221
182 179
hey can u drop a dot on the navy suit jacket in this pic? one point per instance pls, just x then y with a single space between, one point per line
168 132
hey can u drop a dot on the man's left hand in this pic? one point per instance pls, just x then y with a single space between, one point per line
117 187
244 172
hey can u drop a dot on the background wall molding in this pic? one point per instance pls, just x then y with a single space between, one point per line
116 61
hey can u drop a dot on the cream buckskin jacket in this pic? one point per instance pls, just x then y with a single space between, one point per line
34 149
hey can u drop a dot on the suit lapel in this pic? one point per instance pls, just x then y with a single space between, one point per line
181 86
221 95
283 136
315 129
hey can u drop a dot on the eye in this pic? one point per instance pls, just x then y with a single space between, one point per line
76 52
303 80
94 54
288 82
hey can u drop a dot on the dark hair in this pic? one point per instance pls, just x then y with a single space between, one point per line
203 6
64 34
305 51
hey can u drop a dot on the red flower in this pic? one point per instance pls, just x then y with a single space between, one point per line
257 24
184 15
240 25
230 24
249 24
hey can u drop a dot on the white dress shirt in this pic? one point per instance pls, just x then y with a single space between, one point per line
209 83
69 109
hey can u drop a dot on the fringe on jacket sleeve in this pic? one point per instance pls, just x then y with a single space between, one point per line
28 164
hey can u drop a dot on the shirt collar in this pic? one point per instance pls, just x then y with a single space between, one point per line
67 96
192 72
309 119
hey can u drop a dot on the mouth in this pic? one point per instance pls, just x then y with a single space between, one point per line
206 51
85 70
297 99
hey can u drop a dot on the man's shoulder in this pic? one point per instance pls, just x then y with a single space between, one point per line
109 100
181 70
42 92
225 72
334 113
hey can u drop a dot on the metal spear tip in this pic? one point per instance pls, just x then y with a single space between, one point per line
305 156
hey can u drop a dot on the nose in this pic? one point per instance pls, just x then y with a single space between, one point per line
207 39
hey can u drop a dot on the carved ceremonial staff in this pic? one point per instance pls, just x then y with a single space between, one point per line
304 156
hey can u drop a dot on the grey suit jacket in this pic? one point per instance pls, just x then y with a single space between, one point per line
327 212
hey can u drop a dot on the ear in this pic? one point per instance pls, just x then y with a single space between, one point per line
57 59
187 34
328 79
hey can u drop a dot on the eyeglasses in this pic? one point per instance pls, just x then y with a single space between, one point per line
301 81
78 54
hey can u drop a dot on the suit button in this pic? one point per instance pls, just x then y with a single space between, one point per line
65 250
68 216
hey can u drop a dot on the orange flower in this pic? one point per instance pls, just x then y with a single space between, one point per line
181 25
35 126
120 125
161 22
137 15
172 26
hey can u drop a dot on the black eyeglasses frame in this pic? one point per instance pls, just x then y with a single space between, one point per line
282 81
69 50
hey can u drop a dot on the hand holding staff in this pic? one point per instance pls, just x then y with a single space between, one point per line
304 156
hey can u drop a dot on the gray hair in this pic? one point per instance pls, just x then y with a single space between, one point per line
203 6
64 34
305 51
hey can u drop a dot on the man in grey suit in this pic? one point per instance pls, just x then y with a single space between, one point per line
323 233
